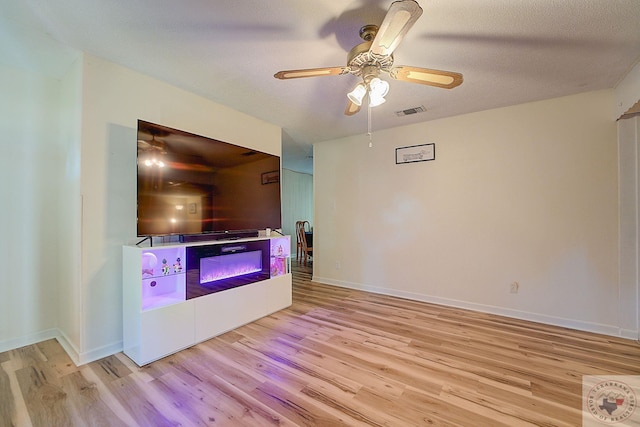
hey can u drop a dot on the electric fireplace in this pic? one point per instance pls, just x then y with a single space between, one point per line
215 268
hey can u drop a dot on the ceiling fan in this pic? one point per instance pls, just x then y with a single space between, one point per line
369 59
152 145
154 151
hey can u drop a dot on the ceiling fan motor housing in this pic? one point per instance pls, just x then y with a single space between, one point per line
362 62
368 32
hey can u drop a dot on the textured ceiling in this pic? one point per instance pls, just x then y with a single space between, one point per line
509 52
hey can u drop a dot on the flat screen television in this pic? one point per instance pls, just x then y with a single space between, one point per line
190 185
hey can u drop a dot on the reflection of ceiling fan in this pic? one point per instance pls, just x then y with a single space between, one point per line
153 145
368 59
154 152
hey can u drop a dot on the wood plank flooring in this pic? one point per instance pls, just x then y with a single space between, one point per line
335 357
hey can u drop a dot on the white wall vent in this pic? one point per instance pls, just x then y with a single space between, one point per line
408 111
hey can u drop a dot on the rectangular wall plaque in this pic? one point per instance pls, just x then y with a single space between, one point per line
415 153
272 177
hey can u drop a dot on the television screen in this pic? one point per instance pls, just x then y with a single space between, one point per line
190 184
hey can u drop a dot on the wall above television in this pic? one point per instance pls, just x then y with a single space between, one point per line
189 184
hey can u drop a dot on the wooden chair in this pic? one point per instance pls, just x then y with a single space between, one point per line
305 251
298 243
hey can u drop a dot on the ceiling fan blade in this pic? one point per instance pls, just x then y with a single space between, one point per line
425 76
400 18
311 72
351 109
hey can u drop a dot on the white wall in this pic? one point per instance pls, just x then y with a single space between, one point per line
69 289
627 94
30 213
525 193
113 99
629 187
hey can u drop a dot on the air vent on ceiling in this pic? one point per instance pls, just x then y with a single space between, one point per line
409 111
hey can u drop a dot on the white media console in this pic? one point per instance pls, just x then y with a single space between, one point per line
175 296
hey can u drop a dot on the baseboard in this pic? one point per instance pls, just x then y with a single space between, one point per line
630 334
99 353
29 339
71 350
598 328
77 357
82 358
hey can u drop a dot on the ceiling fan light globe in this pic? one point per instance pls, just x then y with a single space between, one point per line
378 87
357 94
375 100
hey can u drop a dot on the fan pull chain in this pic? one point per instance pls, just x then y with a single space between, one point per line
369 125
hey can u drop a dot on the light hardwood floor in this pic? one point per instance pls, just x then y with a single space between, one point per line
335 357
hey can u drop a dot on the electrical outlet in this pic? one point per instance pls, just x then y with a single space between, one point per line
338 265
515 287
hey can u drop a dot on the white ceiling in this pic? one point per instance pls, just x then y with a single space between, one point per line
509 51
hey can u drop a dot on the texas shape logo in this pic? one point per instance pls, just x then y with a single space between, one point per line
611 401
